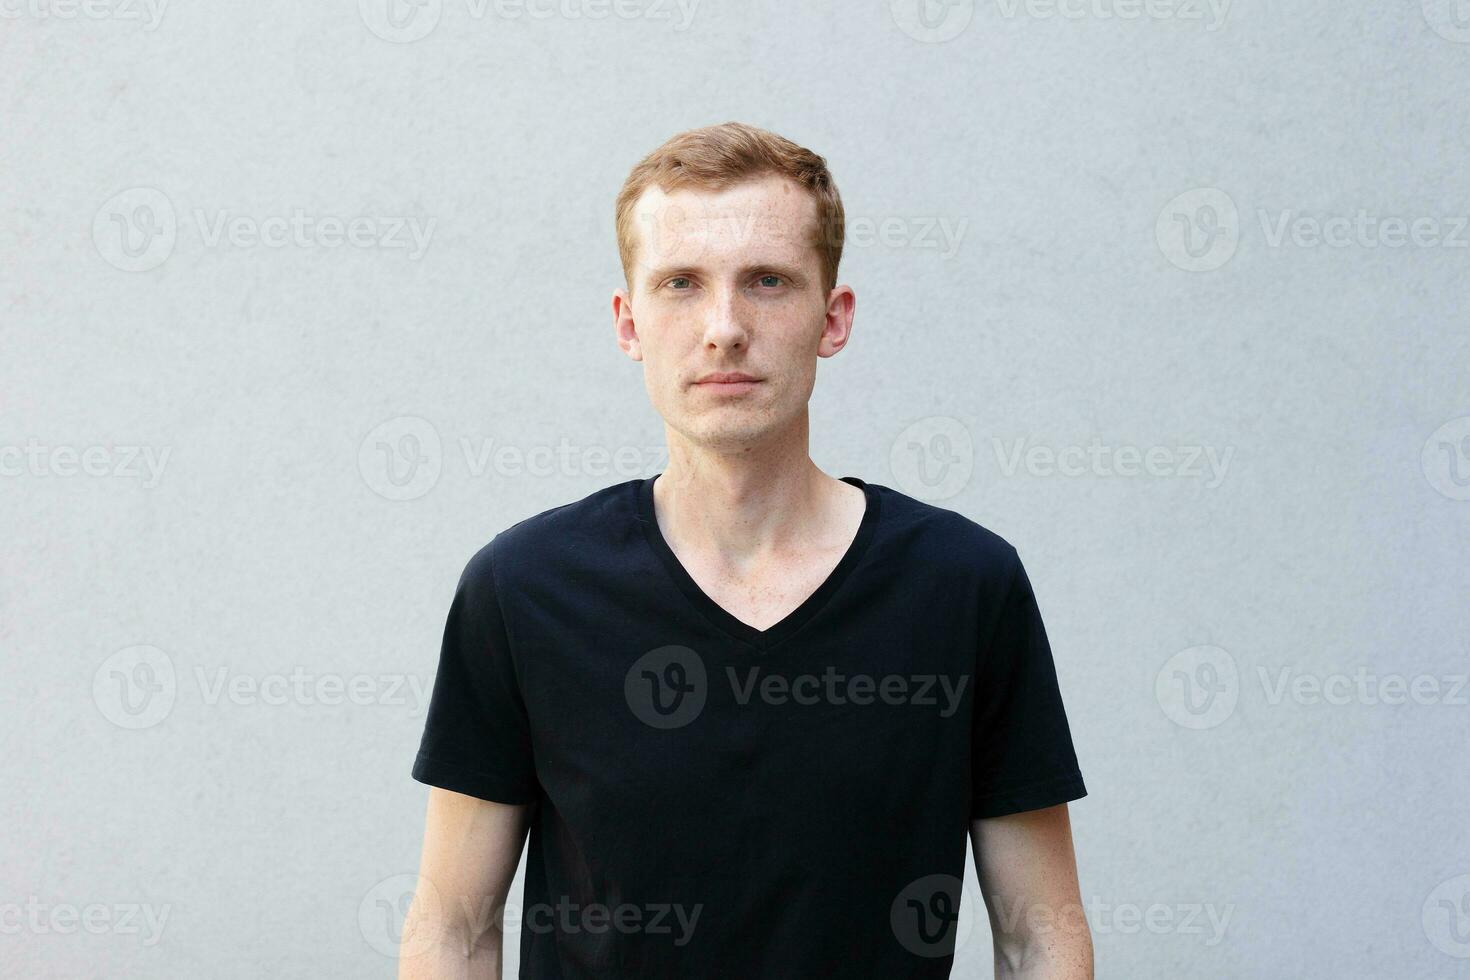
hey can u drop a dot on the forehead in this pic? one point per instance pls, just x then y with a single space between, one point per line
770 217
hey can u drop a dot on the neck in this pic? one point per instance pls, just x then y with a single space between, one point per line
745 506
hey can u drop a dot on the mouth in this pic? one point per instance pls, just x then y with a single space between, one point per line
727 382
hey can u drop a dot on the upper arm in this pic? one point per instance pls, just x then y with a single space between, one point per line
470 853
475 754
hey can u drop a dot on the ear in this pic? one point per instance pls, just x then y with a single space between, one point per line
623 325
837 329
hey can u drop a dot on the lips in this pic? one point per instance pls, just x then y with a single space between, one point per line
726 377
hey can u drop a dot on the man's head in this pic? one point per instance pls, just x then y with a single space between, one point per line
730 239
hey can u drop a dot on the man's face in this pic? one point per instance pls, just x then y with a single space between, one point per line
730 283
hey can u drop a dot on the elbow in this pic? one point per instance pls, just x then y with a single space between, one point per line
1059 949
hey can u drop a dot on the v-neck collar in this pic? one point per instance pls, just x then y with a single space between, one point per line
714 612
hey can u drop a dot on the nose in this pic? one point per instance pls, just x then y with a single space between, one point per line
725 320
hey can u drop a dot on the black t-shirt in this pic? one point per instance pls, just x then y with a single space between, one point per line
718 801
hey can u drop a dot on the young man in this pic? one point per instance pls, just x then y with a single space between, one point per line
748 712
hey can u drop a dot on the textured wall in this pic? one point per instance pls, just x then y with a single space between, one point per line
1170 294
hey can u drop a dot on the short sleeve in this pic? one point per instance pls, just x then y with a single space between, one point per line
476 737
1021 755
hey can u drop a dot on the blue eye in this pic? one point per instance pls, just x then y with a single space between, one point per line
678 279
771 280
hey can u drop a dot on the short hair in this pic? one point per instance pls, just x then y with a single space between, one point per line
716 157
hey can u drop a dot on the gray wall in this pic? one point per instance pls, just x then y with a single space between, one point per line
1096 313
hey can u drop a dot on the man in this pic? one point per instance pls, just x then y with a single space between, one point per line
748 711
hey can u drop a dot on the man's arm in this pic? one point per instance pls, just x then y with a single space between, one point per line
471 849
1028 876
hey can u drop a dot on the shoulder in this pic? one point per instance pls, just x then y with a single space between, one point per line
554 539
949 541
